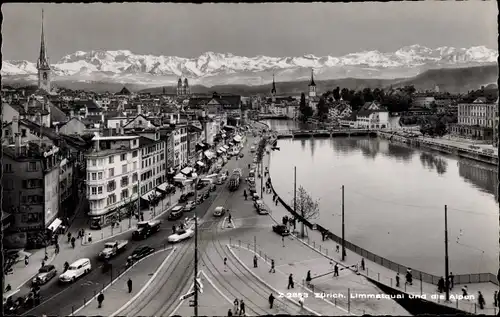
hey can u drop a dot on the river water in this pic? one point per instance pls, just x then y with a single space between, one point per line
394 199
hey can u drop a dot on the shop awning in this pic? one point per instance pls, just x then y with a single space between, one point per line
200 163
162 187
147 196
179 177
237 138
187 170
209 154
55 224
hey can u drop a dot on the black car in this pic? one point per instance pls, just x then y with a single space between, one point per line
206 194
176 213
183 198
282 230
212 187
200 185
140 253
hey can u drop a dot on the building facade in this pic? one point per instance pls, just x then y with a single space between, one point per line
477 120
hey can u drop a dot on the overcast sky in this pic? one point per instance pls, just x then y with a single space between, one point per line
286 29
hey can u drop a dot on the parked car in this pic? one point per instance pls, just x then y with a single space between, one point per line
181 235
200 185
76 270
183 198
190 205
206 194
212 187
45 274
140 252
261 208
241 155
282 230
176 213
219 211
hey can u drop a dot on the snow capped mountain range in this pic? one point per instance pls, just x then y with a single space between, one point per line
220 68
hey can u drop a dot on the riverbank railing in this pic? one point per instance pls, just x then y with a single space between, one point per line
419 275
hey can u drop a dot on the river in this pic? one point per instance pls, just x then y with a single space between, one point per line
394 199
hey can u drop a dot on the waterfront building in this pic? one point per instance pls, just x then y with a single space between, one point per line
372 119
476 120
120 169
339 109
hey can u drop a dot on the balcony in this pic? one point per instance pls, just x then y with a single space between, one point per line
100 196
97 168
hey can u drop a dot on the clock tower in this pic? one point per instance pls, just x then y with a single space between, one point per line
43 66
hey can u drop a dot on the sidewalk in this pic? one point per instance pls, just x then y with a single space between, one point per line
23 273
128 224
117 295
385 275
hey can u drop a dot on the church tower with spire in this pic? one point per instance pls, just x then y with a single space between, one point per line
43 65
312 86
273 91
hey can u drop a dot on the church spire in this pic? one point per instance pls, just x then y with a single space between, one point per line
273 90
312 83
42 59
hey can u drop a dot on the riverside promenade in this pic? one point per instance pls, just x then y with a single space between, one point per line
386 276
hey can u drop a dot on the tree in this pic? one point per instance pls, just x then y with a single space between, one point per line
305 111
368 95
305 206
357 101
322 108
344 93
336 93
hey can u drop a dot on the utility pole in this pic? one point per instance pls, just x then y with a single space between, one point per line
261 179
195 250
446 265
343 226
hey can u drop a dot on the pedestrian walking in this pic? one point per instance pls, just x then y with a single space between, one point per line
229 312
173 229
129 285
272 270
397 280
336 270
464 291
69 237
362 264
89 239
242 308
225 264
57 248
283 240
66 266
290 281
255 261
308 278
236 303
73 242
43 262
229 218
337 249
276 202
409 277
495 299
441 285
452 280
100 299
26 260
271 300
480 300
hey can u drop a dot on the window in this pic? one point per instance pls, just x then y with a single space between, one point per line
94 162
124 181
32 167
94 190
124 194
123 157
7 168
124 168
99 175
134 178
32 183
23 133
111 186
134 189
111 159
111 199
111 172
94 176
99 190
134 154
134 166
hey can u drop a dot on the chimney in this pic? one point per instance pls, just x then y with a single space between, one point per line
26 105
71 114
139 109
118 128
